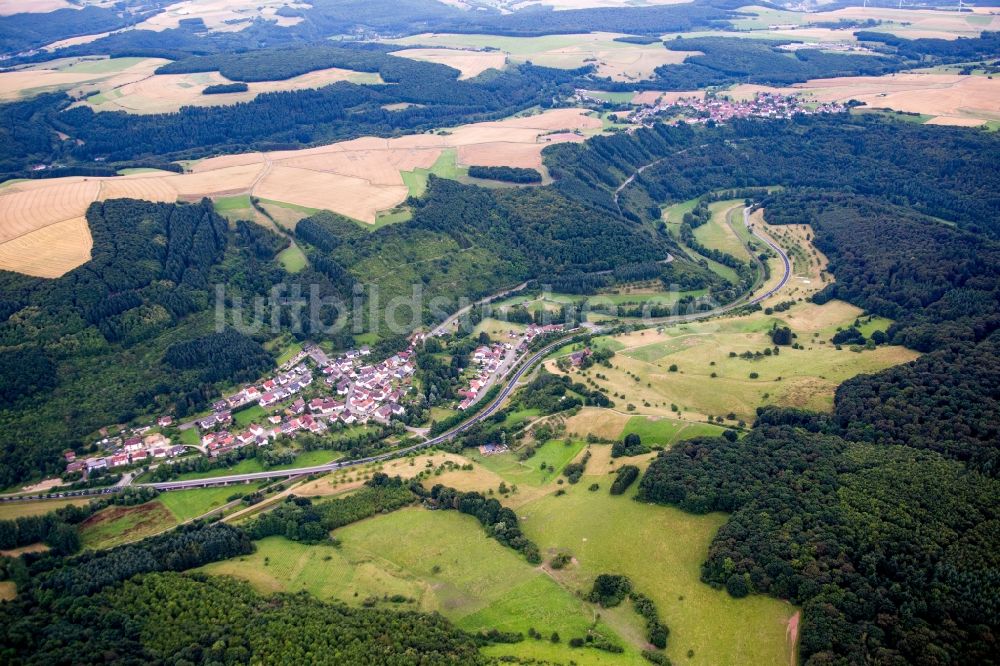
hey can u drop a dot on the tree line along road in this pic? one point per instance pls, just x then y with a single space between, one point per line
520 369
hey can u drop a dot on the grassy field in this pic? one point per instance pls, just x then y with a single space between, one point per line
292 258
554 454
612 424
664 431
8 590
291 350
116 525
14 510
806 378
661 550
443 561
245 417
445 167
190 436
718 234
189 504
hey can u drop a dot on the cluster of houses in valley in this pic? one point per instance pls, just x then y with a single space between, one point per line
351 392
488 360
295 399
309 393
701 109
491 360
133 447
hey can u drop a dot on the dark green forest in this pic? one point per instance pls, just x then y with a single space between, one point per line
880 519
129 605
127 332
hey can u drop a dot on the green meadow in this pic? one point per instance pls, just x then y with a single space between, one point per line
446 166
661 550
553 454
664 431
432 561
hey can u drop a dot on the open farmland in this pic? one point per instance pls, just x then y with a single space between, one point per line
8 7
908 23
618 60
78 76
357 178
166 93
131 84
950 98
661 551
469 62
222 15
710 382
441 561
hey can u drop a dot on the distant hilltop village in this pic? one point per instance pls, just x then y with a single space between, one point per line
701 107
720 109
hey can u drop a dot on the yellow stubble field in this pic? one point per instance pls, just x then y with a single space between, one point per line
41 227
951 98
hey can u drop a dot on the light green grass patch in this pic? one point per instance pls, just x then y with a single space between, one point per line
666 431
556 454
131 171
661 550
102 66
292 258
289 351
190 437
443 560
187 505
245 417
228 204
616 97
718 234
446 166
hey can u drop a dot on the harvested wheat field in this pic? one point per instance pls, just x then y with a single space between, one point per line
8 7
347 195
222 15
469 63
357 178
78 76
956 121
950 95
50 251
619 60
920 23
166 93
651 97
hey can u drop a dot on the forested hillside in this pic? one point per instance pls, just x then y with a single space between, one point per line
881 519
124 333
940 284
945 173
120 606
466 241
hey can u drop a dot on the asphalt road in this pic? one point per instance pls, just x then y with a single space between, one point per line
508 388
494 405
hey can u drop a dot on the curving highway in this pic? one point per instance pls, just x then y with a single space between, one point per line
495 404
511 383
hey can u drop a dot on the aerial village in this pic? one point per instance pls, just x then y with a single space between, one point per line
310 392
720 109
